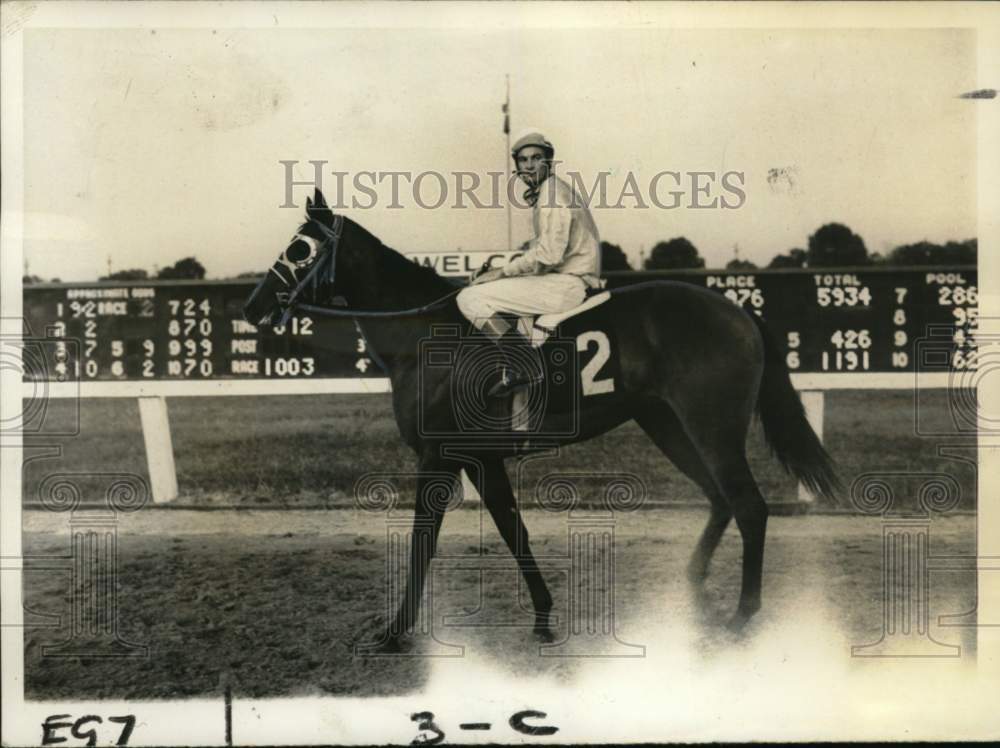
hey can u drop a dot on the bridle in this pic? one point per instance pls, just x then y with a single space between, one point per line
327 251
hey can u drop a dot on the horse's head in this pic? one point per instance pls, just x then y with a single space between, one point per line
327 255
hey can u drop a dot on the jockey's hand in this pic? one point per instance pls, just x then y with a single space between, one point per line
489 275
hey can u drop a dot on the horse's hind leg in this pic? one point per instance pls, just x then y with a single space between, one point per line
661 424
725 458
750 512
718 430
498 496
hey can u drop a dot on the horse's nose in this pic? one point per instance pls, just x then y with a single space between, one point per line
254 314
258 320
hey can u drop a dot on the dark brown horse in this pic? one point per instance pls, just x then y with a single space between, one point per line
690 367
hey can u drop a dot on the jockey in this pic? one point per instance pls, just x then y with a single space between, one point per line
557 267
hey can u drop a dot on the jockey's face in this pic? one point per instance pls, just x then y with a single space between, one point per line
533 165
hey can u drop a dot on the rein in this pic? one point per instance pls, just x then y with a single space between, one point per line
329 258
324 311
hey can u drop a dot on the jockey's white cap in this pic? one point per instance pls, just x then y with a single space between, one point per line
532 136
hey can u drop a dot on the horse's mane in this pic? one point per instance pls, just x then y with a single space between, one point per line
410 281
398 271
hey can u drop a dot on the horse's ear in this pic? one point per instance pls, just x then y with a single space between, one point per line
317 209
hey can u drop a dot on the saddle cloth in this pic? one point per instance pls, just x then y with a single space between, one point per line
537 330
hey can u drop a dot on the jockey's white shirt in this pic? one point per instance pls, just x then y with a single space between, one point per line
566 238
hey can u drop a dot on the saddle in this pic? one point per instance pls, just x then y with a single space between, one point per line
537 329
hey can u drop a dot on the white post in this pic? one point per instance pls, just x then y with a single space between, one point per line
469 492
812 401
159 448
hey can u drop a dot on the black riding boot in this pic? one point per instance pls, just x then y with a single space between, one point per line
512 376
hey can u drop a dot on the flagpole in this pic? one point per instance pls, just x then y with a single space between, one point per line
506 155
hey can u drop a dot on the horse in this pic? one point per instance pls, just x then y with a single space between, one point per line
692 370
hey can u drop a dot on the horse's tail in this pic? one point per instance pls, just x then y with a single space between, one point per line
788 433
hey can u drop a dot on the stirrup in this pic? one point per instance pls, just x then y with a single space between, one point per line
508 384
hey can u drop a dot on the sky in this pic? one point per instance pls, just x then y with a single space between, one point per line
143 146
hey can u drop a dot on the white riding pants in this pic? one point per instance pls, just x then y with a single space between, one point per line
525 295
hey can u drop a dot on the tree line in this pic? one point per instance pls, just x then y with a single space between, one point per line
832 245
185 269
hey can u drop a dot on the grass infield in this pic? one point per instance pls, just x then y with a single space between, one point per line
299 451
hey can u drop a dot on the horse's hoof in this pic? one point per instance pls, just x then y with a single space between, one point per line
384 642
543 634
696 575
738 623
388 645
392 645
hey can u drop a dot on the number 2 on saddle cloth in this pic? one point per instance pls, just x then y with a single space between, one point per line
577 363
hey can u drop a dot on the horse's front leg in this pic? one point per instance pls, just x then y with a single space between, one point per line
427 518
498 496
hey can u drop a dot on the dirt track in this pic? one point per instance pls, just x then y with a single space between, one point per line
275 601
